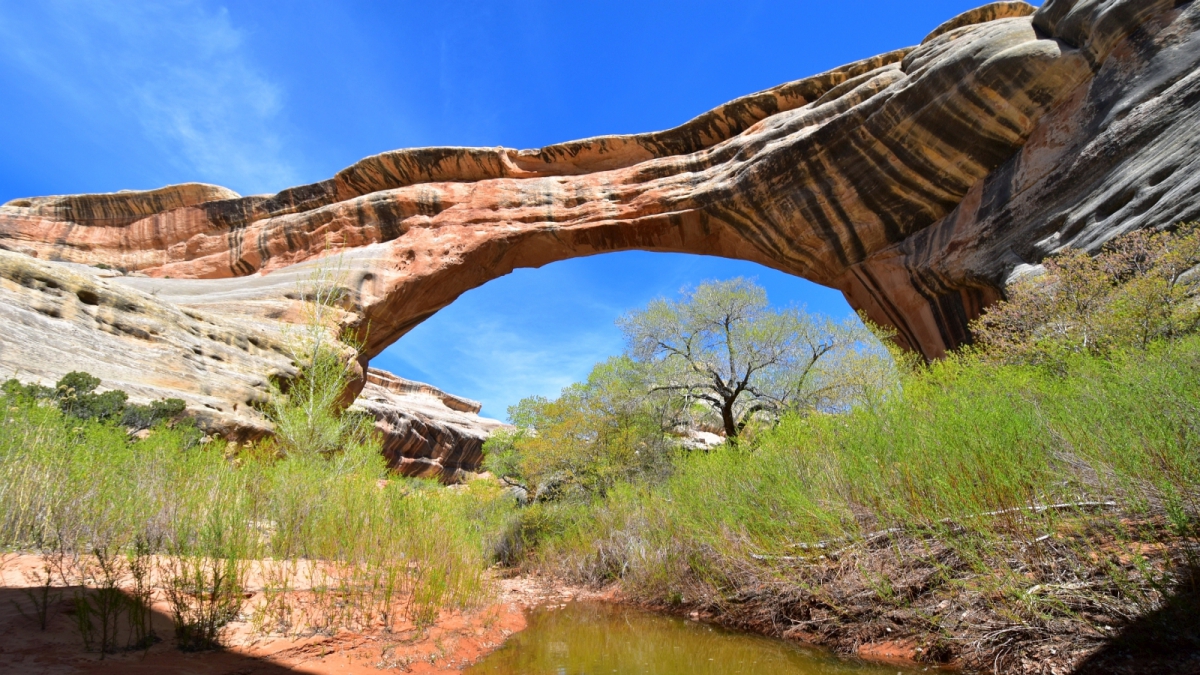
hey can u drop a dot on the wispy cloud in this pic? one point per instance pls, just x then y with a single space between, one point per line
181 70
499 363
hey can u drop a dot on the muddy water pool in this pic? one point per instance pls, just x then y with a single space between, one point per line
598 639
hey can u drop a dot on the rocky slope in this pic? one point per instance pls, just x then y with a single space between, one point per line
916 182
427 432
60 317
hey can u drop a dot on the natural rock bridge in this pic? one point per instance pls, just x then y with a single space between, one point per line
916 182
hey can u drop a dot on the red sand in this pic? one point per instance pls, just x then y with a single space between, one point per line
453 642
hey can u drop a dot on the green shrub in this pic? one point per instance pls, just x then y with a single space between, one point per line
138 417
70 486
609 429
1141 289
75 395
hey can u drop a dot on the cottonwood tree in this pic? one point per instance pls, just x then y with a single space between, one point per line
597 433
722 345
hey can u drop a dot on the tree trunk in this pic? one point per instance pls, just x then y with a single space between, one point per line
728 421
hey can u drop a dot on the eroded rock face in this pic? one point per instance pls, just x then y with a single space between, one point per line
916 182
427 432
58 317
1119 152
162 338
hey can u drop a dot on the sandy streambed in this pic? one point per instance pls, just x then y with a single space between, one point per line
454 640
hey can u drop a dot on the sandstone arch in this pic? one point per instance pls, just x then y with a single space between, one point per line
916 182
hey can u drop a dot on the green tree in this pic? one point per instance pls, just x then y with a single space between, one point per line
723 346
595 434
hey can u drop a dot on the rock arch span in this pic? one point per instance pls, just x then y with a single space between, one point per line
915 182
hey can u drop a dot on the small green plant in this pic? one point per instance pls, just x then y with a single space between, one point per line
41 595
428 596
205 593
139 610
139 417
276 613
81 613
98 602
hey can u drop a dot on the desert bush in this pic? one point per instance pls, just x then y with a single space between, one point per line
308 410
390 548
609 429
41 595
99 602
74 394
1142 288
205 593
308 416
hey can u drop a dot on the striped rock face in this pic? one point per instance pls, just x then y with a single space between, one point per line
916 182
426 432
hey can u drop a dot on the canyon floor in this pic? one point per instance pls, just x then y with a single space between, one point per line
455 640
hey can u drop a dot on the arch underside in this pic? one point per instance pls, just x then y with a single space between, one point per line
915 182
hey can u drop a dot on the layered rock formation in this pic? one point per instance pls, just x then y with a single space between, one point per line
427 432
916 182
1120 151
59 317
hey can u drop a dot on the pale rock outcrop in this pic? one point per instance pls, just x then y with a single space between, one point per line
58 317
916 182
159 342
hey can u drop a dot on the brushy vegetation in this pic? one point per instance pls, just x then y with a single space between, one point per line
75 395
311 517
968 447
100 506
97 503
1011 504
1140 290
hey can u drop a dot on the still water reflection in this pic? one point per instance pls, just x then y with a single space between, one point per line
598 639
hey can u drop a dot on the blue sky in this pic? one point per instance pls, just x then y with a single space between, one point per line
103 95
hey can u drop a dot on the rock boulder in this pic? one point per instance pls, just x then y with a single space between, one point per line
427 432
